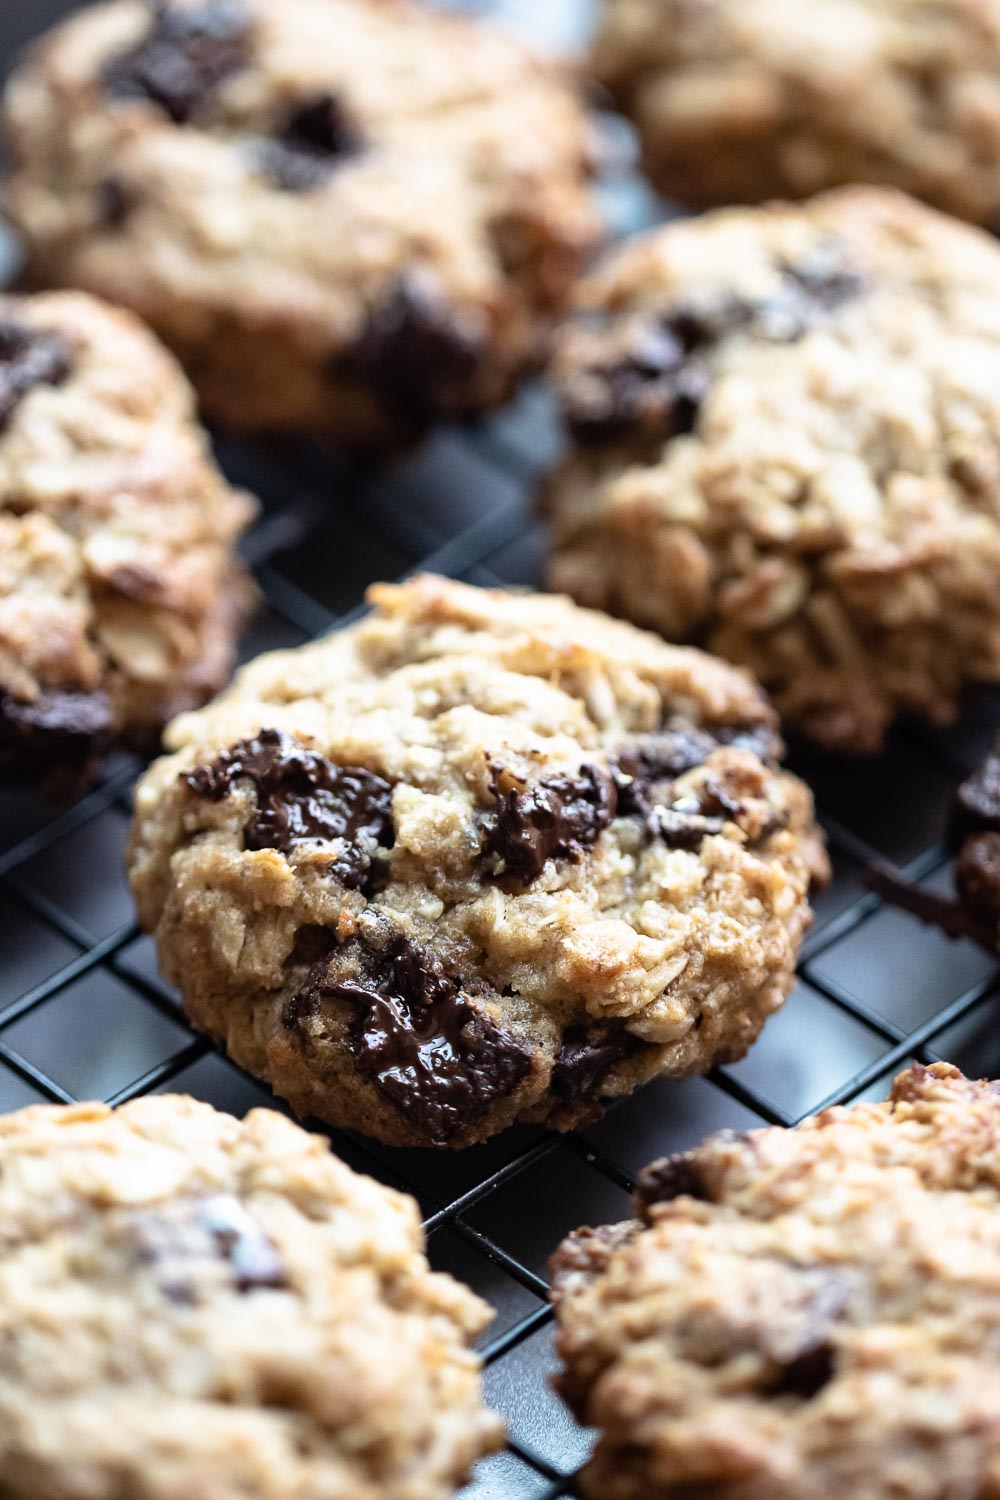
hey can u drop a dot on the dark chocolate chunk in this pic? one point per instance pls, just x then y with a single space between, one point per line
318 137
659 383
977 881
29 357
802 1346
113 203
303 797
586 1058
187 53
673 1177
657 760
807 1373
60 730
218 1228
312 943
415 356
976 808
420 1039
556 817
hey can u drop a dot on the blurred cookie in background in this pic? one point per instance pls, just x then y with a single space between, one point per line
784 448
121 595
737 101
345 216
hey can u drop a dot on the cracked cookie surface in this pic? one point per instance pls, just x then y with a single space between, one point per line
800 1315
785 448
482 857
192 1304
738 102
345 215
120 592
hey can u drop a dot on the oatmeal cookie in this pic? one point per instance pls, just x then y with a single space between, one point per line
120 592
196 1305
737 101
479 858
354 216
800 1314
786 449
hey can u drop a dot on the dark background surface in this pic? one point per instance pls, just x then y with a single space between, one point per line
83 1012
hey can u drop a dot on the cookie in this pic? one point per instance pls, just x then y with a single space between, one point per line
480 858
738 102
196 1305
785 449
350 216
800 1315
120 592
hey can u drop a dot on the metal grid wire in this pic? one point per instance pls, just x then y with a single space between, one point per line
84 1013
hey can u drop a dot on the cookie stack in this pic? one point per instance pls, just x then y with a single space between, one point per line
486 858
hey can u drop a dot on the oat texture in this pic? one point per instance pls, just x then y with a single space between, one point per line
349 215
786 449
120 593
479 858
196 1305
737 101
800 1315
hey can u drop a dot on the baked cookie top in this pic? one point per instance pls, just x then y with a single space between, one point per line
800 1314
343 212
737 102
191 1304
786 447
120 593
480 857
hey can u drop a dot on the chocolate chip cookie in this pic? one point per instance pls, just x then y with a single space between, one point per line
785 448
195 1305
738 102
480 858
345 215
120 592
800 1315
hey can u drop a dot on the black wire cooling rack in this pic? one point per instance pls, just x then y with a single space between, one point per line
84 1013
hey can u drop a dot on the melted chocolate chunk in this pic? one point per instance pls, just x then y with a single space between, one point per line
649 765
415 356
303 797
557 817
317 139
586 1058
213 1229
808 1362
976 808
807 1373
59 731
660 382
673 1177
29 357
187 53
417 1035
